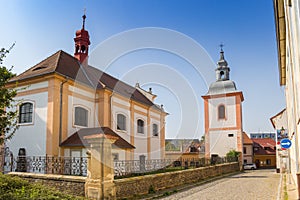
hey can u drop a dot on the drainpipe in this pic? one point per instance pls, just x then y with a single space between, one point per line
102 168
60 110
111 111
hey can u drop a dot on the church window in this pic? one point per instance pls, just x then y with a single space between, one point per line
155 129
230 135
221 112
121 122
140 126
115 156
26 113
81 116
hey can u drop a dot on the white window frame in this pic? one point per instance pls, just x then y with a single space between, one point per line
74 115
32 114
138 127
125 122
224 112
157 132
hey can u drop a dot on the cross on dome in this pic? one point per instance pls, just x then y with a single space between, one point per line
83 18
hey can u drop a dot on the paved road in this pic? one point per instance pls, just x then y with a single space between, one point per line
251 185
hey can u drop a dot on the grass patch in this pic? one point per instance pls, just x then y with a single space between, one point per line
285 193
15 188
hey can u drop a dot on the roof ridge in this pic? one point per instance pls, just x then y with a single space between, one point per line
116 79
58 58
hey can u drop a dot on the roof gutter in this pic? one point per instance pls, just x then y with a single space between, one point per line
281 38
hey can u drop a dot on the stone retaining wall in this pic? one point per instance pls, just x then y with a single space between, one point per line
73 185
129 187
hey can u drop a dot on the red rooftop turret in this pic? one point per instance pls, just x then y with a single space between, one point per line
82 42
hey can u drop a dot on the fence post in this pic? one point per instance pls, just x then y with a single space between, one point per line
142 163
99 183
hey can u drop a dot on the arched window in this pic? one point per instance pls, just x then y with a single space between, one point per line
81 116
222 74
221 112
26 113
121 122
140 126
155 129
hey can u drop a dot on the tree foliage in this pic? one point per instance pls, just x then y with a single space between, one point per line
8 112
233 154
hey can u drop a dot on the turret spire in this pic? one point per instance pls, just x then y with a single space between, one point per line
83 19
222 61
82 42
222 71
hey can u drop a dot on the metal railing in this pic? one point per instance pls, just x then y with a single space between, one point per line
125 168
78 165
47 165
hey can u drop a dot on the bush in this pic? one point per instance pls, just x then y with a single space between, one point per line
233 155
15 188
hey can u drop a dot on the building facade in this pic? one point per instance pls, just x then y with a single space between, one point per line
64 99
223 114
264 151
263 135
184 149
279 121
247 149
287 21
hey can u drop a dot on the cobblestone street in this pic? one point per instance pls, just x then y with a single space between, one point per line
252 185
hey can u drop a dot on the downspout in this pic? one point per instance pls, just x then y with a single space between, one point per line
111 111
102 168
60 110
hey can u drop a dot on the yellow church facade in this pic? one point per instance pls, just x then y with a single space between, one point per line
63 99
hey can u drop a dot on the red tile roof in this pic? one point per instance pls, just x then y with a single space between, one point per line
77 139
66 65
266 146
246 139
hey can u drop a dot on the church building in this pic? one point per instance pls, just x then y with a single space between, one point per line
65 99
223 114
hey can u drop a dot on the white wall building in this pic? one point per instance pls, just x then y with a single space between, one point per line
287 19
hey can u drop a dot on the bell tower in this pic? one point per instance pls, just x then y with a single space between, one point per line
222 70
82 42
223 114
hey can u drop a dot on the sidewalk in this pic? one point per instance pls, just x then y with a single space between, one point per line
289 186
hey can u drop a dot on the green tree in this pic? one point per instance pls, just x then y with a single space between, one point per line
233 155
8 111
202 138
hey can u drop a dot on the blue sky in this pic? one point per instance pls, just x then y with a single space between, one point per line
40 28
